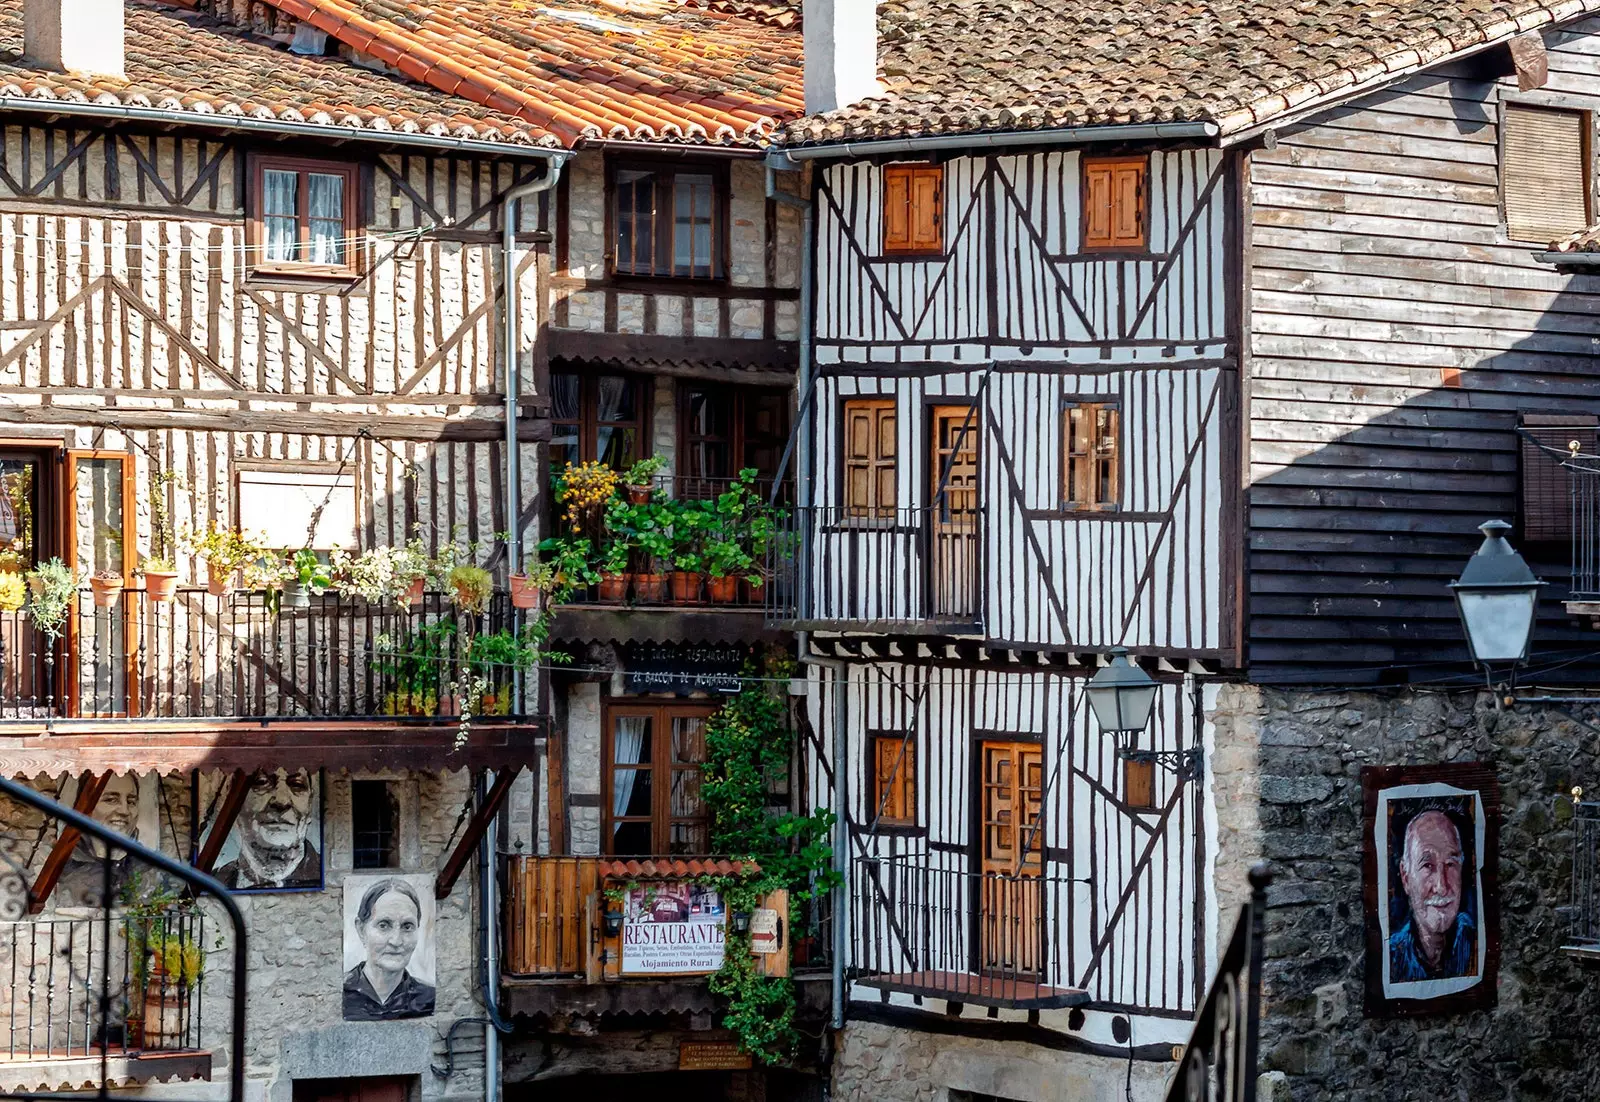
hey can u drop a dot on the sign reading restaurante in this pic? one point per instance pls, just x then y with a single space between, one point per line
672 927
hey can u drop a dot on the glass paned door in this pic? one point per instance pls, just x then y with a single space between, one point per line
100 541
26 528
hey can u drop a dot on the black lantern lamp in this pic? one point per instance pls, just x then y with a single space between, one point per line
611 921
1122 696
1497 597
740 922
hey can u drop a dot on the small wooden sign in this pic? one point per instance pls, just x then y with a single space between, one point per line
764 931
711 1056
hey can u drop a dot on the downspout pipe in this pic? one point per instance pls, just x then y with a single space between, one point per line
489 952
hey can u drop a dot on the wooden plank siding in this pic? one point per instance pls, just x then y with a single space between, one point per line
1396 334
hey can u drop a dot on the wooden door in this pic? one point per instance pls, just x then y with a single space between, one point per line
953 534
99 536
352 1090
1011 849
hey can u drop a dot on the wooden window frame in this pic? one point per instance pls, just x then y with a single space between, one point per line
1545 101
1111 245
738 438
875 512
913 170
661 817
900 810
132 624
255 230
666 172
1070 501
588 420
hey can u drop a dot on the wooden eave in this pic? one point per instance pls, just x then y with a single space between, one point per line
964 987
60 1073
95 746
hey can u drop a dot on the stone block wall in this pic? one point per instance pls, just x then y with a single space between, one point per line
1287 779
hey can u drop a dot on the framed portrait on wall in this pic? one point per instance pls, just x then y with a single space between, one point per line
1431 848
276 842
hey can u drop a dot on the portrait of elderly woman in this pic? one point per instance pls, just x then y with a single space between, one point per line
388 948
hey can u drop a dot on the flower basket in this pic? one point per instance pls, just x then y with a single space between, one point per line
107 590
686 586
614 587
524 595
722 591
219 583
650 589
161 586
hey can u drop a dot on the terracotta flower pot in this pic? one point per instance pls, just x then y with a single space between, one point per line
686 587
450 704
638 495
753 592
161 585
413 593
218 584
107 591
614 587
723 591
524 595
650 589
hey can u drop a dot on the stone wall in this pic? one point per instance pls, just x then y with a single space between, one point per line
1287 776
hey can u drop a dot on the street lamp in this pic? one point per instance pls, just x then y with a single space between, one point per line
1122 696
1497 596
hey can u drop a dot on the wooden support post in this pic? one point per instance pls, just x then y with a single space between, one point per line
89 789
227 815
476 827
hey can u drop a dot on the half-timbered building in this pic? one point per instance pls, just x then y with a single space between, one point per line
1214 336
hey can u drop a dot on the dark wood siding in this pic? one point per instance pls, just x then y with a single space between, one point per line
1397 334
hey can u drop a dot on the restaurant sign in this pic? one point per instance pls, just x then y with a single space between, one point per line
671 928
683 670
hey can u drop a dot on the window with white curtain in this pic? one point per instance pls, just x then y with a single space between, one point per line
303 217
653 803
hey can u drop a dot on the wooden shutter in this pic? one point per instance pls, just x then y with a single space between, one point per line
869 457
1546 485
1544 173
1114 202
913 209
894 771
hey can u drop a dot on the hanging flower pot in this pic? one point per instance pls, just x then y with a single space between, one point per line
686 586
160 586
107 587
296 595
650 589
524 594
614 587
219 583
722 591
413 593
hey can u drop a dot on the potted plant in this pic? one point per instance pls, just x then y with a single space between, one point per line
414 664
570 561
107 586
471 588
160 579
409 572
529 587
649 530
738 535
639 479
225 552
13 591
688 554
10 561
307 574
614 576
175 963
585 491
491 661
52 589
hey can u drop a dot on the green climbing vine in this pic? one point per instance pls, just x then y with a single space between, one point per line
748 744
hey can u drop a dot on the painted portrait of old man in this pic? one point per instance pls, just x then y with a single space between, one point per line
275 843
1431 890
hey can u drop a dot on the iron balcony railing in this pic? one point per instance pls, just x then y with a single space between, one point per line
906 568
1585 486
1583 935
54 972
245 655
980 937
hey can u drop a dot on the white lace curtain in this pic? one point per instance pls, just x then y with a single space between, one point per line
629 733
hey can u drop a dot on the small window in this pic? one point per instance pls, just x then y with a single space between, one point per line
869 458
894 780
303 217
596 417
1091 470
667 222
291 507
654 759
1114 202
1545 174
373 814
723 430
913 209
1547 499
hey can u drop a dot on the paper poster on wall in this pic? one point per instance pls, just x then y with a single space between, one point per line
128 805
672 927
276 842
390 969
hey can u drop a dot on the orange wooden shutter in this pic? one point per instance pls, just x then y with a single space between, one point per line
894 765
1127 206
927 209
897 208
1113 202
1096 206
869 456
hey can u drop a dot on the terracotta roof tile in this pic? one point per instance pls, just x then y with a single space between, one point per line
959 66
674 868
719 71
1584 241
184 61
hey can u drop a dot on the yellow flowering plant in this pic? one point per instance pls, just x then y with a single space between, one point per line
584 490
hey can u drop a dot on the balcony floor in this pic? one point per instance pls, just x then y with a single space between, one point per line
61 1072
979 990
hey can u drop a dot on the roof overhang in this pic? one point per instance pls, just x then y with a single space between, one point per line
788 158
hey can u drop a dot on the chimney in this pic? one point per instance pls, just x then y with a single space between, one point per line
74 36
841 53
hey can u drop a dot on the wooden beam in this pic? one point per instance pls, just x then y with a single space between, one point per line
476 828
89 789
227 815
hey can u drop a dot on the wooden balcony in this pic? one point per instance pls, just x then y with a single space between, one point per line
664 938
243 656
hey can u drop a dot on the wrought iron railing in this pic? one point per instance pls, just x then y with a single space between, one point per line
956 934
880 567
1583 935
246 655
1585 485
54 971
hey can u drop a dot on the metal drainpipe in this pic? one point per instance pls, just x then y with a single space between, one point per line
487 873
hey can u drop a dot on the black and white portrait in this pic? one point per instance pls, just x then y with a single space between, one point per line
276 842
127 805
389 961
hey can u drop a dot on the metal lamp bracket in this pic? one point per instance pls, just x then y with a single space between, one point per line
1187 765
